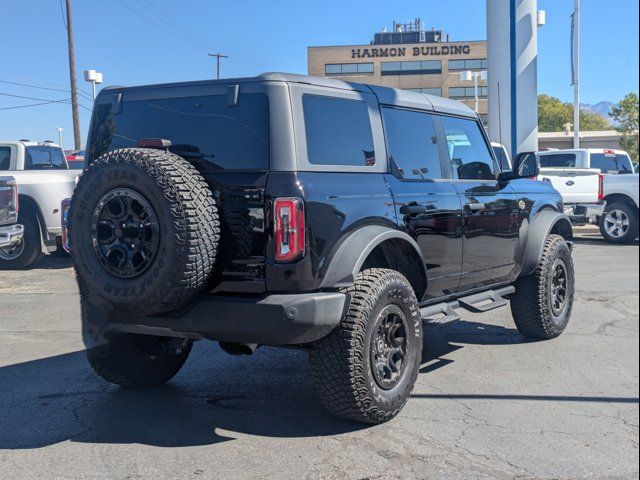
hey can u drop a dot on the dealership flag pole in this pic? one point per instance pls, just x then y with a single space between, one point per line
575 71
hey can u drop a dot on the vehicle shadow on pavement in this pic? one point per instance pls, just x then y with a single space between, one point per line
54 261
442 340
597 239
215 398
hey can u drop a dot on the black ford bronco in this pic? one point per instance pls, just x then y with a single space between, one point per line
304 212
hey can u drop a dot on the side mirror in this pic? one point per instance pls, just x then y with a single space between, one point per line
526 165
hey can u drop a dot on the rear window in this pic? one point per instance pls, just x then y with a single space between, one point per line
5 158
44 158
611 163
558 160
205 130
338 131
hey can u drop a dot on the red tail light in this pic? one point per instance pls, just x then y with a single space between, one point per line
289 228
600 187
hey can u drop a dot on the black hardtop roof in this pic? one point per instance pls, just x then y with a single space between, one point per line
386 95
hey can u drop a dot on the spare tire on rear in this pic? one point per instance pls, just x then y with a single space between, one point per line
143 230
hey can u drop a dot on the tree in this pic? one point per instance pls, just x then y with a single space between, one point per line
554 114
626 116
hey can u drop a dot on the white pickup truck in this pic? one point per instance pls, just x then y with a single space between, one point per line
576 175
44 180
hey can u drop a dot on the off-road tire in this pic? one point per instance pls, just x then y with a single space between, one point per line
531 304
32 247
632 232
187 220
341 362
137 361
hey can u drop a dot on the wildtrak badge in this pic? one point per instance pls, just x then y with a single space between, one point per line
384 52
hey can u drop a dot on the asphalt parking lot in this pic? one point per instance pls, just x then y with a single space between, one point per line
488 404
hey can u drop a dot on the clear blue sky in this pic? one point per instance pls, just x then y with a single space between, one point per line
135 48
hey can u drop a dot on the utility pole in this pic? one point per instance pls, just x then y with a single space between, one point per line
575 68
72 75
218 57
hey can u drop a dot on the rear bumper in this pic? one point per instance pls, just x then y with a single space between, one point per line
10 235
287 319
583 213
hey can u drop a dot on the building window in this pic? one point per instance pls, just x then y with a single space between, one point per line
467 92
427 91
348 68
476 64
424 67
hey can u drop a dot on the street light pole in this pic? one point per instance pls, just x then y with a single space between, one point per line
94 78
59 129
467 76
575 67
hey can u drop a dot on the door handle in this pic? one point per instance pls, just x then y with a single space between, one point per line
412 209
475 206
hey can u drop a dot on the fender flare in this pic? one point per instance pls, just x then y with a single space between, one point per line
544 223
346 262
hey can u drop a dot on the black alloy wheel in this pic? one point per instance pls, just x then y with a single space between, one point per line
125 233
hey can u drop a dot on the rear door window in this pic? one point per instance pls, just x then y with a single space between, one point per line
44 158
412 144
5 158
469 153
206 129
611 163
338 131
558 160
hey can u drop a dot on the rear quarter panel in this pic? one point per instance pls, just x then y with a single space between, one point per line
47 189
336 204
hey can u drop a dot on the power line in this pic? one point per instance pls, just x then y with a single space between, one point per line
45 100
33 98
46 88
29 105
157 11
67 87
64 22
153 22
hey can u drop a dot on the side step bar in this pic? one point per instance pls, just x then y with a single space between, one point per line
477 303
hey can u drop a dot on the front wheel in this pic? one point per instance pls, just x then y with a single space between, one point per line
619 224
26 252
365 369
543 301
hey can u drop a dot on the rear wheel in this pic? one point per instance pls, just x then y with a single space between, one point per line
26 252
619 224
365 369
139 361
543 301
